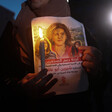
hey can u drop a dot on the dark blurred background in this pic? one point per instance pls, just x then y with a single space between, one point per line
95 15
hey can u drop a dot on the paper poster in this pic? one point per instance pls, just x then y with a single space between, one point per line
62 37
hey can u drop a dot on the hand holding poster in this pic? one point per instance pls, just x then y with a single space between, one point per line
62 37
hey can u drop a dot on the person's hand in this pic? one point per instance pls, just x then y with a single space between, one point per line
91 58
36 85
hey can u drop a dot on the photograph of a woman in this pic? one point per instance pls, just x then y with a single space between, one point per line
60 38
75 49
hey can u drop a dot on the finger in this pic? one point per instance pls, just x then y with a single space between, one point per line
38 76
91 51
94 53
87 57
88 65
29 75
27 78
83 48
45 80
50 84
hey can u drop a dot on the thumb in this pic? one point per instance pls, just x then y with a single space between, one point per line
83 48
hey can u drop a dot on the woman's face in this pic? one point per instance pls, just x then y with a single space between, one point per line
77 45
38 3
59 37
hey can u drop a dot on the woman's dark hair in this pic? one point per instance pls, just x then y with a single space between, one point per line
55 26
78 41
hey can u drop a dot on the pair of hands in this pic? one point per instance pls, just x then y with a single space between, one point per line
37 84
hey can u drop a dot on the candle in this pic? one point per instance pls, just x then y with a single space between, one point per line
42 49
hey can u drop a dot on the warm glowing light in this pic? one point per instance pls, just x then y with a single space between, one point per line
67 0
40 33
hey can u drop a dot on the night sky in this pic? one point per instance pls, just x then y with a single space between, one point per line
13 5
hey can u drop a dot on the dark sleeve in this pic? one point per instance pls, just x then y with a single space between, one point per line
100 80
10 55
10 67
91 41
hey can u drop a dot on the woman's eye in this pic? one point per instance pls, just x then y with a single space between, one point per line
56 34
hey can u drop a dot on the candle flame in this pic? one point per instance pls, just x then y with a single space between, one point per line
40 33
